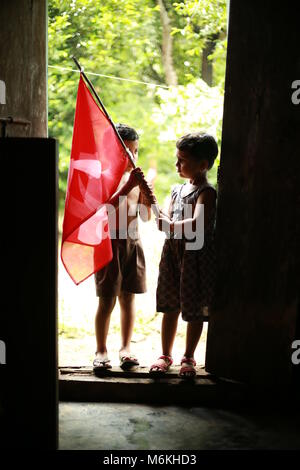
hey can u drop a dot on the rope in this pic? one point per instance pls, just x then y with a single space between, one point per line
153 85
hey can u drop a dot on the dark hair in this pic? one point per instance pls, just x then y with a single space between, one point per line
126 132
199 146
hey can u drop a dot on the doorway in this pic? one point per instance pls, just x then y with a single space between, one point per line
155 92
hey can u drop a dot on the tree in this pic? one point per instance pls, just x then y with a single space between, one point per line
167 45
157 41
205 24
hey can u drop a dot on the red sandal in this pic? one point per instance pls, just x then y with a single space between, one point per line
188 368
162 368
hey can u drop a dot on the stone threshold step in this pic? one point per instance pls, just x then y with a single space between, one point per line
135 372
81 384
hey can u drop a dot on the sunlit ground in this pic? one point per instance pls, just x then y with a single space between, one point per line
77 307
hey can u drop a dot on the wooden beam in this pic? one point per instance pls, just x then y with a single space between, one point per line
253 324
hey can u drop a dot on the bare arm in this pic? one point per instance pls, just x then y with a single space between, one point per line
136 178
123 190
169 211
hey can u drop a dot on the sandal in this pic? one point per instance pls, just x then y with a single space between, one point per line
127 362
187 371
101 364
162 367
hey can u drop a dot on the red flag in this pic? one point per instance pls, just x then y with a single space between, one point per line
98 161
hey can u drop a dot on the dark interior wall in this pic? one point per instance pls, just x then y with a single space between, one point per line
23 64
254 321
28 321
28 313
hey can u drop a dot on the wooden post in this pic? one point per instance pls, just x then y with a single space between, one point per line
23 65
254 320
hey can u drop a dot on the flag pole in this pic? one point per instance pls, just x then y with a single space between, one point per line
155 207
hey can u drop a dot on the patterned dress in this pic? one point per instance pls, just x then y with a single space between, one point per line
186 278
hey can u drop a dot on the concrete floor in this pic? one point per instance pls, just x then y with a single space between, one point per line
120 426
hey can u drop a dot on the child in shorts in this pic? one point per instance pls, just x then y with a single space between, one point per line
125 275
187 269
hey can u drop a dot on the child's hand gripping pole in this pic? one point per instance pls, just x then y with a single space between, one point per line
144 186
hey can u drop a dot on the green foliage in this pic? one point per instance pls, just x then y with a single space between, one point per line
122 38
203 18
199 21
182 109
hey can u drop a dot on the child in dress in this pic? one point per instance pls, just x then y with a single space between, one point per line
187 270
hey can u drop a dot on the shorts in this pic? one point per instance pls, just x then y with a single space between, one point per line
125 272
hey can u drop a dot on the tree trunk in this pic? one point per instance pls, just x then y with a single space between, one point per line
167 45
207 66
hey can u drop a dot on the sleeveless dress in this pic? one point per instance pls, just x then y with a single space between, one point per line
186 279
